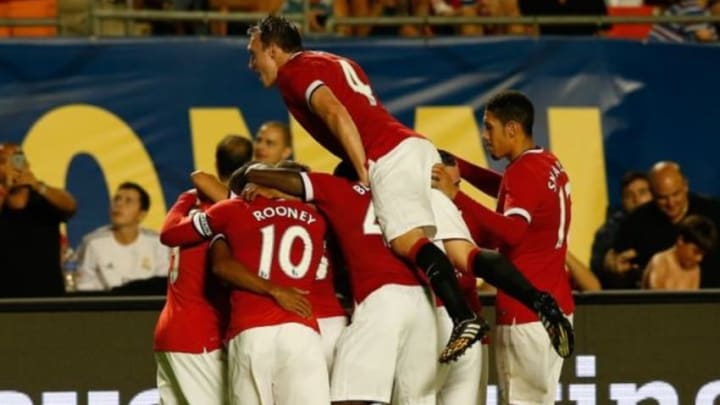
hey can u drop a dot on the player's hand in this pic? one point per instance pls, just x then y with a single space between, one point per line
293 300
442 181
620 262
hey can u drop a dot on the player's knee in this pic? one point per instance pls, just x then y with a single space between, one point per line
404 244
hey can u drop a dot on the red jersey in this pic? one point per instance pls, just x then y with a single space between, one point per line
325 303
306 71
348 207
282 240
195 314
536 187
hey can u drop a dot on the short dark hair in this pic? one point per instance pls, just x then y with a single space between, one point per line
512 105
699 230
293 165
232 152
237 180
278 30
144 196
631 176
447 158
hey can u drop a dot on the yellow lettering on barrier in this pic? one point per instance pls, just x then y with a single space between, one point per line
309 152
455 130
207 127
576 139
67 131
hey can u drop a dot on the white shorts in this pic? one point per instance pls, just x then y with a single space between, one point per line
450 224
277 365
401 184
527 365
188 378
465 380
389 350
330 331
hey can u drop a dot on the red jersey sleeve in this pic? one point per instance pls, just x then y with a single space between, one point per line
521 192
486 180
323 188
299 86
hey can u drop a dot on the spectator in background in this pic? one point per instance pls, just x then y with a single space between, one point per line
122 252
391 8
565 8
635 191
320 12
651 228
244 6
273 143
683 32
30 216
678 268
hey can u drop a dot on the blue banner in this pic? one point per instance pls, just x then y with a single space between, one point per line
91 114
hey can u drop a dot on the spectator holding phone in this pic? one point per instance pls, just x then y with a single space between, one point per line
30 216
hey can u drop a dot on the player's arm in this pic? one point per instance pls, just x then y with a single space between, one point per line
334 114
236 274
209 185
183 226
509 229
287 181
486 180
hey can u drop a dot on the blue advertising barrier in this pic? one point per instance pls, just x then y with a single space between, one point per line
91 114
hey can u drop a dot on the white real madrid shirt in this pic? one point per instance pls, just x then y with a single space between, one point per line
103 263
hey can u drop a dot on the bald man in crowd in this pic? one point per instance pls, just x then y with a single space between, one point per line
651 228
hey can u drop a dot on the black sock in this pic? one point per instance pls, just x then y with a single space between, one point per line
497 270
442 278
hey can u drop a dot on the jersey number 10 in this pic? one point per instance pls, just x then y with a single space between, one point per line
268 252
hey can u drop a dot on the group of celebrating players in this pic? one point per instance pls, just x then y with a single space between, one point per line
392 216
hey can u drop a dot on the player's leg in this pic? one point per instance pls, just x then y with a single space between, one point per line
192 378
460 382
401 193
330 331
497 270
251 360
528 366
367 352
417 368
300 375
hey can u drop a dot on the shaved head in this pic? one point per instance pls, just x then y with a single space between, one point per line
670 189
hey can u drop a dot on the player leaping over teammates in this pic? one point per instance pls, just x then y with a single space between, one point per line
332 99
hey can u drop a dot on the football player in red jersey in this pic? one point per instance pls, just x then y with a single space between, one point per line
189 334
389 349
331 97
530 228
275 353
336 201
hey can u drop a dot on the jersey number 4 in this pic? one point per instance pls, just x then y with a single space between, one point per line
355 83
282 254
